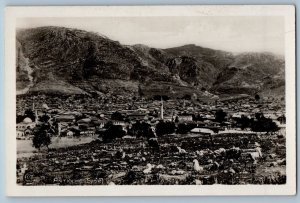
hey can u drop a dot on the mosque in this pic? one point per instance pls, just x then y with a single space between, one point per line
24 128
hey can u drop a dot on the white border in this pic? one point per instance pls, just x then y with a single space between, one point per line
12 13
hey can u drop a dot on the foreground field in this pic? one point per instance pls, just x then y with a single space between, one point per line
25 147
181 159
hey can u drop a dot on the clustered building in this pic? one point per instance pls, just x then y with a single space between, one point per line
207 142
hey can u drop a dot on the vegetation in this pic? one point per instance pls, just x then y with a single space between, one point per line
165 127
257 97
141 129
259 124
42 136
184 128
220 116
113 132
27 114
117 116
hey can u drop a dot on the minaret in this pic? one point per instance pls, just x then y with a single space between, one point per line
36 117
59 129
173 117
35 113
162 110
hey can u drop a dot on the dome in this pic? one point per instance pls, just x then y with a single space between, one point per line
27 120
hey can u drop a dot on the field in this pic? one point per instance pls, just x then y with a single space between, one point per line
223 159
25 147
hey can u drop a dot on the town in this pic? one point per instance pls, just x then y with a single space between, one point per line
131 140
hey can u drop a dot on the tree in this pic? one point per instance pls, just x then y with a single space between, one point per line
76 132
244 121
20 118
44 118
113 132
140 91
30 114
163 128
142 130
257 97
185 128
161 97
259 116
108 124
83 127
263 124
187 97
220 115
41 136
117 116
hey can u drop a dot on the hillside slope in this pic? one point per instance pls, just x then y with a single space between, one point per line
85 62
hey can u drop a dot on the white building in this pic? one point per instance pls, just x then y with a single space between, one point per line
202 131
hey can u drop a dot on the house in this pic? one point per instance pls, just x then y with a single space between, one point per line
239 115
70 133
26 123
84 121
282 119
136 116
121 123
24 134
185 117
20 135
236 132
204 131
101 123
65 118
88 133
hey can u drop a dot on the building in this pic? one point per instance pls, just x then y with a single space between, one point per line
24 134
25 124
120 123
65 118
136 116
162 110
185 117
204 131
20 134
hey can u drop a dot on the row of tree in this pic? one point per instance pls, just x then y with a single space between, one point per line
143 129
43 132
258 124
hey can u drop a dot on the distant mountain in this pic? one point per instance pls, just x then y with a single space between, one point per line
251 73
70 61
197 64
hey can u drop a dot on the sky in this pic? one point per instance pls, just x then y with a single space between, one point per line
235 34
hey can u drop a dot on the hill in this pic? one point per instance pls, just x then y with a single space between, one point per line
72 61
251 73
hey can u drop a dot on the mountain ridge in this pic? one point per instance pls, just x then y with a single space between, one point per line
84 62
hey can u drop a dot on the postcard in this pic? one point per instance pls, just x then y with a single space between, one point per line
150 100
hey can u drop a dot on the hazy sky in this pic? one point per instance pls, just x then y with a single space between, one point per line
235 34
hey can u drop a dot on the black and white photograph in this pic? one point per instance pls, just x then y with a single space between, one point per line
197 99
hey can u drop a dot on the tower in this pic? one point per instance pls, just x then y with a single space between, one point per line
162 110
35 113
59 129
36 116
